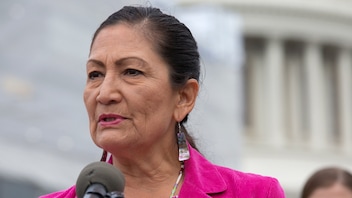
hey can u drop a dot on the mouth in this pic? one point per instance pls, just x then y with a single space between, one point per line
106 118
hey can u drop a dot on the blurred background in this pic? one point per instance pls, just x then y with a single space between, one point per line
276 92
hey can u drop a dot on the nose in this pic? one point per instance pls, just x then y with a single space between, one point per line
109 92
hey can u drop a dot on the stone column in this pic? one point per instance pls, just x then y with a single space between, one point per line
294 97
257 101
274 102
345 98
316 98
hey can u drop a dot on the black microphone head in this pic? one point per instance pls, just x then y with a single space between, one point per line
100 173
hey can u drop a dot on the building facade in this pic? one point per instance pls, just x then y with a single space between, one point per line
297 86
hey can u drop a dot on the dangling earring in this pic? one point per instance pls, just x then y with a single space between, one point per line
183 152
104 156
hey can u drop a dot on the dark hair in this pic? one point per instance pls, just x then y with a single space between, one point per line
171 39
327 177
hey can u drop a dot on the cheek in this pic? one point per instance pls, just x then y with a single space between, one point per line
89 101
159 101
85 98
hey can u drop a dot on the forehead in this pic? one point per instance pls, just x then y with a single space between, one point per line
123 39
119 34
336 190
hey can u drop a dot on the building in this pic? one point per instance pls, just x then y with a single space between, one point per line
297 86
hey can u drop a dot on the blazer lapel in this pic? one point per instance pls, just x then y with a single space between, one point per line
201 177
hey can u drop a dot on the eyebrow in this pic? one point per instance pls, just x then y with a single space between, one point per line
118 62
96 62
121 61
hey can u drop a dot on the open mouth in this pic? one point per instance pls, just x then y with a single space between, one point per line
109 119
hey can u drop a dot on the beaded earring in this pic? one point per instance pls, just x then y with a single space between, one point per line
183 152
104 156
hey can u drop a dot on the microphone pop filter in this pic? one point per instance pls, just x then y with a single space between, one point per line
100 173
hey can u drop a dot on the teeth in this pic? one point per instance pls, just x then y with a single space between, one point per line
109 119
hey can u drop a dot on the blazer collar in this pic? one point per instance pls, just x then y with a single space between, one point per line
201 177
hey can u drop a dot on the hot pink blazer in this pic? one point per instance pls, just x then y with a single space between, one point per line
204 180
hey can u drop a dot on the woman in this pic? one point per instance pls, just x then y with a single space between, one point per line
143 71
330 182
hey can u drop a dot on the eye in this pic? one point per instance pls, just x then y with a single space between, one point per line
133 72
95 74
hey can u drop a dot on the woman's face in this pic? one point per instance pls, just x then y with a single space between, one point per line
335 191
128 94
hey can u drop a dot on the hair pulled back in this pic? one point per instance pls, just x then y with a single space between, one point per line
170 38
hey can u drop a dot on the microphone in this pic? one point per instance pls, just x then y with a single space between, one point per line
100 180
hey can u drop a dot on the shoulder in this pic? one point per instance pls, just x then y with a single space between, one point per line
68 193
251 184
205 177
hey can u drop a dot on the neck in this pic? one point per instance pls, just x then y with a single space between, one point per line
160 182
150 175
161 189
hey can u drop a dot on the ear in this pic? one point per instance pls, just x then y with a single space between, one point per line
186 100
